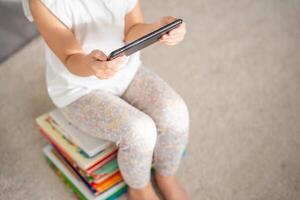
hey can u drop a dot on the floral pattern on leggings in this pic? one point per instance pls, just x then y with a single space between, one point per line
149 123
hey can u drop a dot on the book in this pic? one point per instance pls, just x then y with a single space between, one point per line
108 183
105 171
71 169
113 177
95 174
75 183
71 152
91 145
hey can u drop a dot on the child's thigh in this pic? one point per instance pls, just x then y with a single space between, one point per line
103 115
151 94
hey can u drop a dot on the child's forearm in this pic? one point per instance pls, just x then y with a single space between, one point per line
139 30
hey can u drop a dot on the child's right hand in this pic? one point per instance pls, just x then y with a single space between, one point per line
103 69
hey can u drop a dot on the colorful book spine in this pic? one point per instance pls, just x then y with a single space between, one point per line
90 175
98 188
73 171
72 181
70 150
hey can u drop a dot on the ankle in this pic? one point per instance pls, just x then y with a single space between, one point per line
160 177
170 187
145 193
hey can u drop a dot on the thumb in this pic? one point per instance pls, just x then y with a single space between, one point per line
169 19
98 55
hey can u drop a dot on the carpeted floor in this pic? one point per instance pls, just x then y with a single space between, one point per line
239 72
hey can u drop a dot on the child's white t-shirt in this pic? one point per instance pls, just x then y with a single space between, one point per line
96 24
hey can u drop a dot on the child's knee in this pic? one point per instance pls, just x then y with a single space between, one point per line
181 113
141 133
175 116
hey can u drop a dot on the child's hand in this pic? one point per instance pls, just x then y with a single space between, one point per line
174 36
102 68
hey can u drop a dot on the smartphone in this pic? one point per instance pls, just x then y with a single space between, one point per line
144 41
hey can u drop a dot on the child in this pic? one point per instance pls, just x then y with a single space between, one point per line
118 100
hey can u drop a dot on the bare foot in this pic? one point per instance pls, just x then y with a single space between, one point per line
170 187
145 193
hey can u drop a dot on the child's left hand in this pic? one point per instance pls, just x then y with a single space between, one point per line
174 36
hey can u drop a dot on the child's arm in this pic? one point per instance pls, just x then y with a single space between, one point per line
136 28
62 42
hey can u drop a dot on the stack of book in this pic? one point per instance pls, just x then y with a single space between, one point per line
87 164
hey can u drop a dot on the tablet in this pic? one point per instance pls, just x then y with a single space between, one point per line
144 41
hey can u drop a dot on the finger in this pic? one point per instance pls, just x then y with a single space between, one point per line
167 36
99 55
116 61
112 68
99 65
175 39
110 71
172 37
104 65
169 19
113 64
180 30
120 58
175 32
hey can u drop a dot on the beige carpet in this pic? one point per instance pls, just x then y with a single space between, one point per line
239 72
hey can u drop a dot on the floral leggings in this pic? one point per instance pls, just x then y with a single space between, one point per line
149 122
